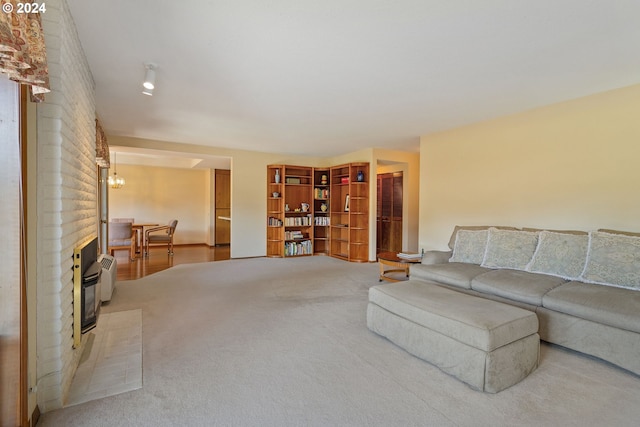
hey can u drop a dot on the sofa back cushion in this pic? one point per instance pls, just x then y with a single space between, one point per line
509 249
613 259
452 239
470 246
560 254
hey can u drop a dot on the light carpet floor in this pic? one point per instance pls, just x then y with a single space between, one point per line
278 342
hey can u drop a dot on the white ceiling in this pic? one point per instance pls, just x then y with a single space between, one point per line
334 76
170 159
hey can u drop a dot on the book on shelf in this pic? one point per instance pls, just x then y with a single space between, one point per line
293 235
296 221
275 222
322 220
320 193
298 248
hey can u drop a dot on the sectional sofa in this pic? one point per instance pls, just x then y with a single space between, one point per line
583 286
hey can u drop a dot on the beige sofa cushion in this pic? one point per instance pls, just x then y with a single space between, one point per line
615 307
450 273
516 285
452 239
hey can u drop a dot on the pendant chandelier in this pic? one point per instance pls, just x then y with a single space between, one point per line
115 181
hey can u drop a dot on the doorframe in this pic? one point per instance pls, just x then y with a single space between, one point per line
217 172
378 201
24 325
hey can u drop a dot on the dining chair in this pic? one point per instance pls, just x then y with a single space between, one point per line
162 235
122 236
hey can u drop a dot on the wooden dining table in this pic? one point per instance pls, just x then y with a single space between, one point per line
139 228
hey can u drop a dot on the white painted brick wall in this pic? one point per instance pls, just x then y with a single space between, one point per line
67 199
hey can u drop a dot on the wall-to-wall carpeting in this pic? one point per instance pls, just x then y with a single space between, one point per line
262 342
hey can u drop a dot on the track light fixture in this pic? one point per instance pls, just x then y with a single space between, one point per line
150 78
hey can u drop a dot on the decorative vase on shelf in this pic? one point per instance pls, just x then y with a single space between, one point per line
277 176
360 176
323 180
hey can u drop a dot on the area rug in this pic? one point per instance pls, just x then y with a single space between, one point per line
111 361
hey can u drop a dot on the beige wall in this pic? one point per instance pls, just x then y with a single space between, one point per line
248 189
160 194
568 165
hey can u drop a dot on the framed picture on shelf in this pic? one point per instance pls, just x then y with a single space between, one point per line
346 203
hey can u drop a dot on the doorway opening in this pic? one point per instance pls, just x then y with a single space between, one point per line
222 207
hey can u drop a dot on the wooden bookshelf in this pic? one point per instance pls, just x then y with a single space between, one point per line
359 212
298 213
350 212
275 211
339 190
321 211
290 213
337 220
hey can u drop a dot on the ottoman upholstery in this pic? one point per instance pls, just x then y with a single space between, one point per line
487 344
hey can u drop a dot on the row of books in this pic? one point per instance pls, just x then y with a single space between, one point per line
320 193
274 222
298 248
299 221
293 235
322 220
293 221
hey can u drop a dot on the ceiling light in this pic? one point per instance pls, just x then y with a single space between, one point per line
147 91
114 181
150 76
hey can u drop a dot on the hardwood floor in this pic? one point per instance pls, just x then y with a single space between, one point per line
159 260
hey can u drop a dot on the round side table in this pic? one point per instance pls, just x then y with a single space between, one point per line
397 264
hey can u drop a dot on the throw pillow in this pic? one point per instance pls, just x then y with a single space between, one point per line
470 246
454 235
509 249
560 254
613 259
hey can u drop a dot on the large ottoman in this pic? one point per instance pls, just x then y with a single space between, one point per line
487 344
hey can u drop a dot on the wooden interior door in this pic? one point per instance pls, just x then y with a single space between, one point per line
389 212
223 207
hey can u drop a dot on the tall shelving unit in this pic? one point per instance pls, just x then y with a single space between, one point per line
350 212
321 211
275 211
359 212
339 192
298 221
337 220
